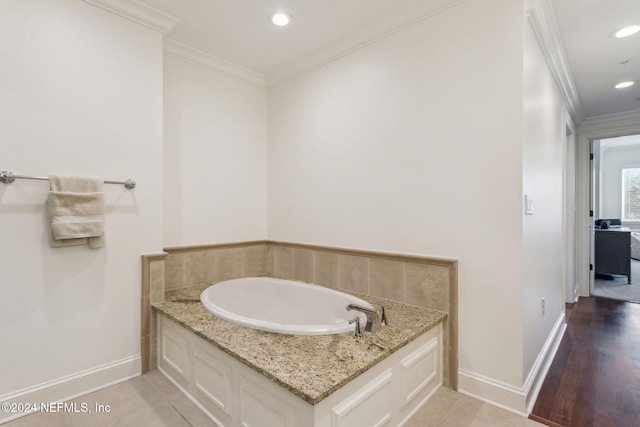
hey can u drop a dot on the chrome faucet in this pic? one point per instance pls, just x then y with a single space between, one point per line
373 319
356 331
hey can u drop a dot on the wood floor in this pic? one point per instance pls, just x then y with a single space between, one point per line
594 379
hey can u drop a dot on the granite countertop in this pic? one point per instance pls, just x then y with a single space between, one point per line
311 367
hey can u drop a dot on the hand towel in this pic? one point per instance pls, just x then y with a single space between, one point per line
76 208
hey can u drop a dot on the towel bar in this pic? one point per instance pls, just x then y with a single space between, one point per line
7 177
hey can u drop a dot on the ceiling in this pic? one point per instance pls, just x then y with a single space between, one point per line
595 57
239 31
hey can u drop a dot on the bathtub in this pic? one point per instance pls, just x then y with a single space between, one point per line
283 306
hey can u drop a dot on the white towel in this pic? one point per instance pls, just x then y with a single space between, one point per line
76 208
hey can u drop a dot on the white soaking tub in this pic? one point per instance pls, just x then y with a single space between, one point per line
283 306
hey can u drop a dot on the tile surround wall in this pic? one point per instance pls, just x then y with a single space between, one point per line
194 265
423 281
153 277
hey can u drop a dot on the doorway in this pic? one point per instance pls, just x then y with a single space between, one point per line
615 203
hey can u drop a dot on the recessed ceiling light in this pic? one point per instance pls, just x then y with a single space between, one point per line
627 31
622 85
281 19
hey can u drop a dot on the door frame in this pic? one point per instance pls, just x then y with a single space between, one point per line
569 282
602 127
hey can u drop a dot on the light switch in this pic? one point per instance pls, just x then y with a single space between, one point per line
528 205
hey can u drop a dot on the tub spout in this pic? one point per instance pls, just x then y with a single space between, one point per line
356 331
373 319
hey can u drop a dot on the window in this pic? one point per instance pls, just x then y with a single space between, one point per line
631 193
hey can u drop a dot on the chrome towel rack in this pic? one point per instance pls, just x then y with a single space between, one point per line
7 177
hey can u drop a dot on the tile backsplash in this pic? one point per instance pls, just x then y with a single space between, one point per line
424 281
190 266
421 281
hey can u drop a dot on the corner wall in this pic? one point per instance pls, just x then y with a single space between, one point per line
413 144
215 151
80 94
544 140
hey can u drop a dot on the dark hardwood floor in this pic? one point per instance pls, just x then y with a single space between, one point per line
594 379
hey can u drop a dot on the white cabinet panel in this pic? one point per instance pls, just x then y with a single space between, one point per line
175 351
234 395
213 379
419 369
263 409
369 407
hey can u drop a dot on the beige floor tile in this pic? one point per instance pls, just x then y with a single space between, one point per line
39 419
438 407
147 401
162 384
153 401
178 400
470 412
159 413
115 402
413 422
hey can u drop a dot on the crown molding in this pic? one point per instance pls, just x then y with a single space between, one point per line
139 12
611 125
540 15
399 20
198 57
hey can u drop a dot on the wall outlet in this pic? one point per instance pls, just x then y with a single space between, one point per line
542 306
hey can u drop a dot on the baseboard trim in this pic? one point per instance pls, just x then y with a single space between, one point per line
518 400
542 364
72 386
488 390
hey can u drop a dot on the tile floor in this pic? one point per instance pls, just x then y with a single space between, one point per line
152 400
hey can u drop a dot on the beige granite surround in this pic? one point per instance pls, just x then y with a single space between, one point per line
153 276
421 281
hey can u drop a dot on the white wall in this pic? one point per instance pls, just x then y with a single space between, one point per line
215 149
80 93
543 179
413 144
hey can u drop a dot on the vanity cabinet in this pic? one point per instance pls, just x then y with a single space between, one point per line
235 395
